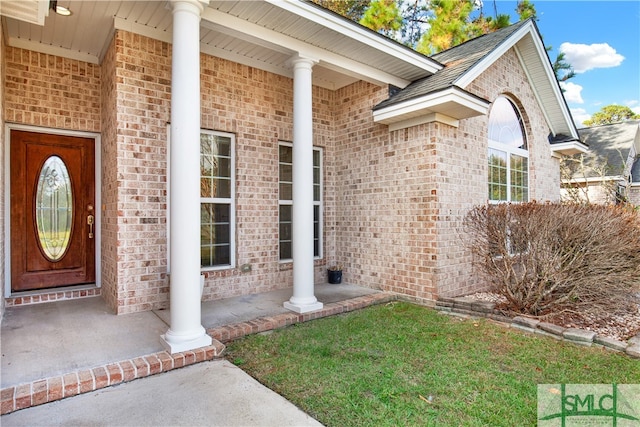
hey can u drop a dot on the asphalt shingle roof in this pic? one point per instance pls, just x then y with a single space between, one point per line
612 143
457 61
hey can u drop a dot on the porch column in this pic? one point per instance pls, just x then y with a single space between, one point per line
186 331
303 299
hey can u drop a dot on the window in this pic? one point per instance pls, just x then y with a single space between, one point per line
217 210
286 201
508 155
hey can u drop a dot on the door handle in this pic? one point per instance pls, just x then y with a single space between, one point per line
90 223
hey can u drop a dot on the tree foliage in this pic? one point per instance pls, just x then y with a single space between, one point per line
611 114
449 26
383 16
352 9
431 26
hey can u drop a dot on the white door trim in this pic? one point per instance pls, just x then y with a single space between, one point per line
7 194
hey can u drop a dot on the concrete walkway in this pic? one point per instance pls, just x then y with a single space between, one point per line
214 393
78 348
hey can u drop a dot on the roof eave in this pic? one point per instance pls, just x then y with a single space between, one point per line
352 30
567 124
448 106
569 148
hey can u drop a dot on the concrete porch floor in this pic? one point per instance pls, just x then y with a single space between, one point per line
50 342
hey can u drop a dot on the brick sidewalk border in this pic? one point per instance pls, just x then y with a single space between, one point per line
54 388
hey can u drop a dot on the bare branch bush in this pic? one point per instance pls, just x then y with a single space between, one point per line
553 257
582 171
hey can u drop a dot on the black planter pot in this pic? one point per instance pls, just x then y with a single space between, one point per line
335 276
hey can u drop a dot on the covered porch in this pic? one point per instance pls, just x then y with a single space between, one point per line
60 349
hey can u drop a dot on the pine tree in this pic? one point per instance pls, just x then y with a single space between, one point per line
611 114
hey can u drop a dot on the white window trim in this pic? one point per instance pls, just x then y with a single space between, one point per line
511 150
230 201
319 203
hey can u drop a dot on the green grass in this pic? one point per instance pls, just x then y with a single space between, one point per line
381 366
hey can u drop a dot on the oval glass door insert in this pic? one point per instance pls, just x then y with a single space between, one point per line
54 208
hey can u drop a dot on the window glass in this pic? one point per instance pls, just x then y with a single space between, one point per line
505 124
216 199
508 158
286 201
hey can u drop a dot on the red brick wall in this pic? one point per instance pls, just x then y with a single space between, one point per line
402 195
384 230
50 91
109 170
462 170
257 107
393 201
137 159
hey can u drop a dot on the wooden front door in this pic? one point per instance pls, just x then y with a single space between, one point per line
52 210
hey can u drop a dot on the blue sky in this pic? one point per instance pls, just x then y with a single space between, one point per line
601 39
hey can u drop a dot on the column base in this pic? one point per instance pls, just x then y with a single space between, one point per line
173 345
303 308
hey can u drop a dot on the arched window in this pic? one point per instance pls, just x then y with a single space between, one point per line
508 155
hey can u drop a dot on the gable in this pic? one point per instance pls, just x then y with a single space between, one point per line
463 64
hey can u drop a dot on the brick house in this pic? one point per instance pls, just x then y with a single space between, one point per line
321 143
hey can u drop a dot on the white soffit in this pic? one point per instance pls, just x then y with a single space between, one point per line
453 103
279 44
569 148
32 11
366 38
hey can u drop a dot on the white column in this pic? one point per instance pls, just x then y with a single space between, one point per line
186 331
303 299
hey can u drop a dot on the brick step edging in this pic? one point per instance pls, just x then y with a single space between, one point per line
48 390
234 331
475 308
55 388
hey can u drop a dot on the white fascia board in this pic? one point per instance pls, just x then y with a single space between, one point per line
427 118
569 148
591 180
474 72
357 32
429 104
488 60
553 83
219 19
52 50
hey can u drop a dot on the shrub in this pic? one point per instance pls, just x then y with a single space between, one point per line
553 257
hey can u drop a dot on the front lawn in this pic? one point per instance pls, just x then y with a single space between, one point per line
403 364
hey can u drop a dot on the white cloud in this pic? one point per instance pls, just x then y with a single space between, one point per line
579 115
634 104
584 57
572 92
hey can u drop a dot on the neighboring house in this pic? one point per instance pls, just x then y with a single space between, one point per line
259 143
610 172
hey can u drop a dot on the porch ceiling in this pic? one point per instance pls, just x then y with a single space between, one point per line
261 34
